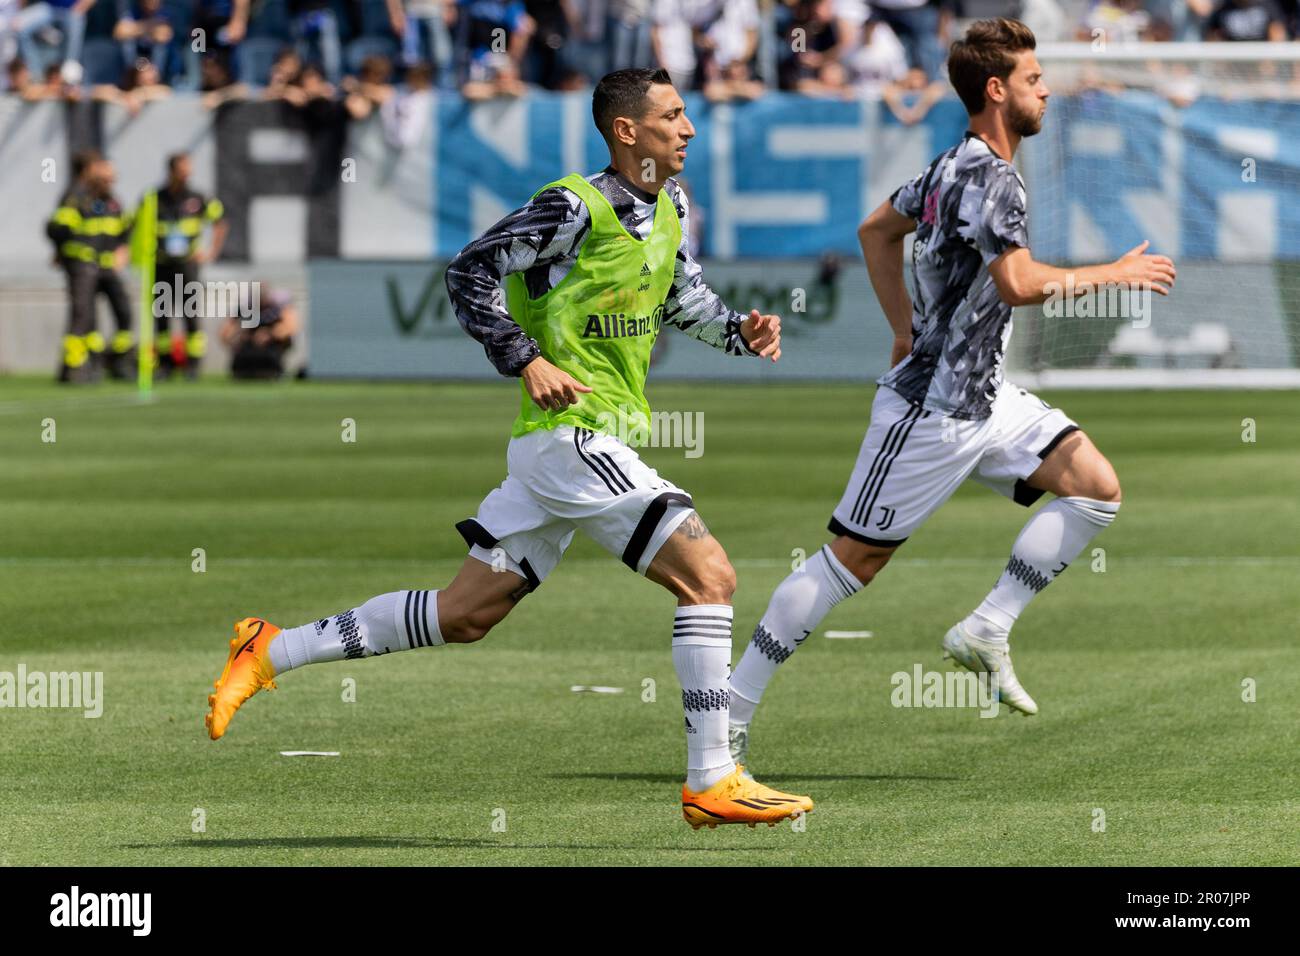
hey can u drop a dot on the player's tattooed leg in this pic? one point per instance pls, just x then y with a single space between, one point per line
693 528
693 566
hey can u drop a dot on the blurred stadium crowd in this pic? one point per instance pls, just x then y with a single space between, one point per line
359 51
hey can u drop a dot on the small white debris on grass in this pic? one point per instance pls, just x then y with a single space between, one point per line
309 753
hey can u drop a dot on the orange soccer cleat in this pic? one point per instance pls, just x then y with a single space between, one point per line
738 798
248 670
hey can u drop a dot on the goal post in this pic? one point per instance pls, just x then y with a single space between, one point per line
1196 148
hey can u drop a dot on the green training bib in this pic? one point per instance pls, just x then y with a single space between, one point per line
600 322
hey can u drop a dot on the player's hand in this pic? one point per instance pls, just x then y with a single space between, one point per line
762 333
902 349
1137 268
551 388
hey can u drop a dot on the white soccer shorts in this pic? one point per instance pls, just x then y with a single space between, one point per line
912 460
562 479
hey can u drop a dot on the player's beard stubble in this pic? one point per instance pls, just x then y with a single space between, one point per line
1026 122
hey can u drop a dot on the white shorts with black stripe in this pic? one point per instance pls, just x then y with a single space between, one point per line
562 479
912 460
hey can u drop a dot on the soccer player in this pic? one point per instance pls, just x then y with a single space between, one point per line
943 412
592 267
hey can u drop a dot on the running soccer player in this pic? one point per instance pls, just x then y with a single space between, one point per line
592 267
943 412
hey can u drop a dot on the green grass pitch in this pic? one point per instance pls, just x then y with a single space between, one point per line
1138 670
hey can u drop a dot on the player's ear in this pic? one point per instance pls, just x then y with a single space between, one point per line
995 91
624 131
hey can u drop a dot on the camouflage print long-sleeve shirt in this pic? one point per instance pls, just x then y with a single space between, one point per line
542 239
969 206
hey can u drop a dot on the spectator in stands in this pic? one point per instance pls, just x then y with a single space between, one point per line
546 62
258 352
494 34
315 30
18 79
1290 16
396 10
1186 18
406 113
301 86
1117 22
727 49
315 85
912 97
1246 20
8 43
370 89
625 36
283 81
140 84
831 80
426 36
697 40
879 63
216 83
919 25
222 26
1044 17
734 81
144 29
69 16
809 43
374 79
52 87
673 36
850 17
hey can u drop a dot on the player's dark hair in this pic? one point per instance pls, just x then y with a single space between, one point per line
988 49
622 93
172 160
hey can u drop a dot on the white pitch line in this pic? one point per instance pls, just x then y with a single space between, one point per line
39 406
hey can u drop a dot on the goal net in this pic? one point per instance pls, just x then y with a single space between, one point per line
1195 147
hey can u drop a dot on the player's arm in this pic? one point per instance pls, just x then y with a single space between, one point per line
698 311
881 236
551 227
1001 235
1021 280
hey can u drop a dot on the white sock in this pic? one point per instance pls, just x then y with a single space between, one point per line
702 657
1052 538
798 605
397 621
